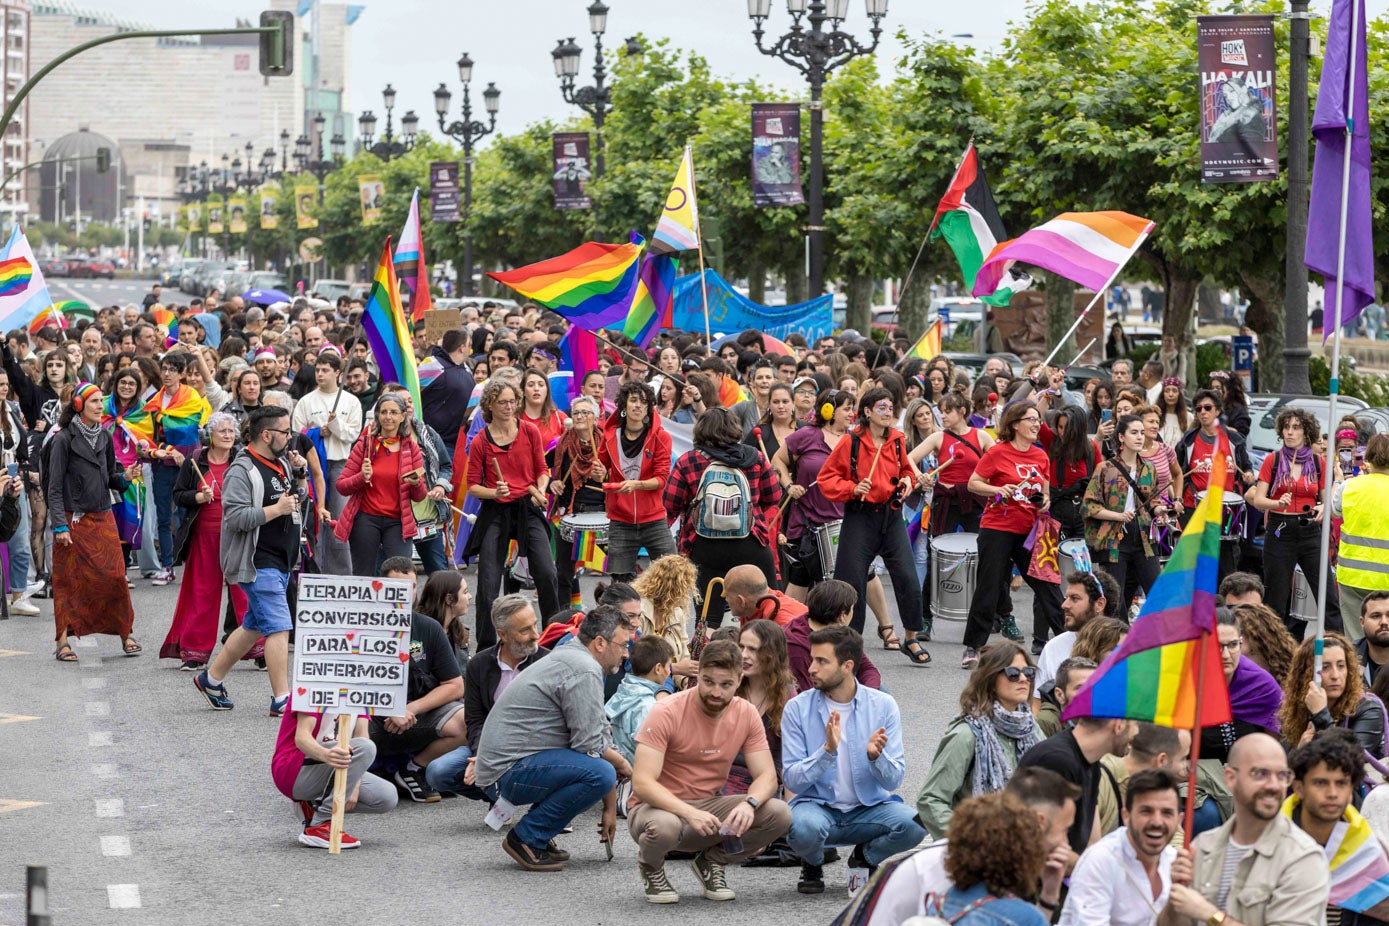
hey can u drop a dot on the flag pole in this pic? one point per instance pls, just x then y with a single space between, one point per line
1099 294
935 220
699 239
1335 385
1202 658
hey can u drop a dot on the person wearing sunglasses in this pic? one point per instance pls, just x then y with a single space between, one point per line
1014 476
870 473
1195 453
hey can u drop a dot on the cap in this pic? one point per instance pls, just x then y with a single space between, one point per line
805 381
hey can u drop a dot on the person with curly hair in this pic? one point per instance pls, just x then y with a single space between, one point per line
666 588
1340 699
995 863
635 451
981 747
1264 639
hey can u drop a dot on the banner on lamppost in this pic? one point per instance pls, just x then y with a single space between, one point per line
573 170
372 191
444 202
1239 129
214 215
776 155
305 197
269 206
236 214
193 215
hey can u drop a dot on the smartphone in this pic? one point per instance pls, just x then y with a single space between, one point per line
1106 414
12 469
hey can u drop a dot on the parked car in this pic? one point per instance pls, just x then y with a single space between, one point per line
54 267
1264 409
973 364
212 275
331 289
188 272
168 276
265 279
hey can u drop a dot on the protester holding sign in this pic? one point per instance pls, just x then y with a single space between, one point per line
307 756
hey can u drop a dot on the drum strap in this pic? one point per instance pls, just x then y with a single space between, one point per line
964 440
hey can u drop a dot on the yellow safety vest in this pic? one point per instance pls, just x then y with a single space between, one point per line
1363 560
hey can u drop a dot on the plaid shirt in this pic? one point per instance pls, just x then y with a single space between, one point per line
684 483
1109 489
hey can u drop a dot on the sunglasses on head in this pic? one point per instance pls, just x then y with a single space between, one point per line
1013 673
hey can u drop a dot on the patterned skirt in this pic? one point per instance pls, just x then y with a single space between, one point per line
89 590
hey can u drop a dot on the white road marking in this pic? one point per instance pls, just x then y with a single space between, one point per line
99 739
123 896
104 770
114 807
83 642
114 846
93 683
98 709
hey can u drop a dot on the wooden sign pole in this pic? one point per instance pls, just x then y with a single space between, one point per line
340 786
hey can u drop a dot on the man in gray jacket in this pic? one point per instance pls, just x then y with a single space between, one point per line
546 742
260 543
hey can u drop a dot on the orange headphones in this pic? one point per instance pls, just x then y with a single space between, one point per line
82 393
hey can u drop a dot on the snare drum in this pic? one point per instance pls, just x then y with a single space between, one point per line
594 522
1303 606
827 545
954 572
1162 534
1231 514
1077 554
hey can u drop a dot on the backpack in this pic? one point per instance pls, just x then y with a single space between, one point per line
723 503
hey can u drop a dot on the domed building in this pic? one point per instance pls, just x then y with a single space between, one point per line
69 171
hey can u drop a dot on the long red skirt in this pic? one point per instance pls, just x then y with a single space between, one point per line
198 614
89 590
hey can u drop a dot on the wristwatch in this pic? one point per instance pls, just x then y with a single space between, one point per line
753 802
1216 918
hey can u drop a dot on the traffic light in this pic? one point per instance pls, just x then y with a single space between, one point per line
103 160
277 48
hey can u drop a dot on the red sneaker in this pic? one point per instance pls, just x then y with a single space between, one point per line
318 836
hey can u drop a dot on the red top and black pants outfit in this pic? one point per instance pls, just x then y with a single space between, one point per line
1002 531
1293 538
873 525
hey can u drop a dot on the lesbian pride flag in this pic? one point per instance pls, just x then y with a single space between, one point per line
1088 248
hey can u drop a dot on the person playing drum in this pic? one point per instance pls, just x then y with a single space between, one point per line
869 473
576 485
797 462
1195 453
959 447
1168 490
1015 477
635 451
1120 502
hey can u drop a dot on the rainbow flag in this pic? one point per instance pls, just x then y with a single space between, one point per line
48 316
928 345
914 524
588 554
172 422
23 292
1088 248
409 262
578 353
593 285
388 333
1359 869
127 436
678 229
1153 675
75 311
653 307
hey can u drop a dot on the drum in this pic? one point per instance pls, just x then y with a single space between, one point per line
1231 515
1073 556
827 545
1163 534
1303 606
954 571
595 522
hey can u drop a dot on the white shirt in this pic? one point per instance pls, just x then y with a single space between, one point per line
1110 886
903 893
1057 651
845 795
312 412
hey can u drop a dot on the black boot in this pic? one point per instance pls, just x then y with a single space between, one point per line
812 879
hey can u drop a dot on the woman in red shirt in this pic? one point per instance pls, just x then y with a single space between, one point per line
506 470
1015 477
870 473
540 408
384 473
959 447
1289 488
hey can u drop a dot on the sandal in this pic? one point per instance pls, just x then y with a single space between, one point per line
918 654
130 647
888 635
64 653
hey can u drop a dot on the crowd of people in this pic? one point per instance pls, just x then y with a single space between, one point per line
724 481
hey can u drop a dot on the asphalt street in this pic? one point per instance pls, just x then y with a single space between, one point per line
98 293
116 775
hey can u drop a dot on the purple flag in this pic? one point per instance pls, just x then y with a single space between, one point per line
1344 80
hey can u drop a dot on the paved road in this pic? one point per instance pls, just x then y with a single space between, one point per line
116 775
98 293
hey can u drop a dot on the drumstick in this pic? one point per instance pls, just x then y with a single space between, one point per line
201 480
949 458
757 433
874 467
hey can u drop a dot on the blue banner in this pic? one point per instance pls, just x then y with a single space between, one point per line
731 312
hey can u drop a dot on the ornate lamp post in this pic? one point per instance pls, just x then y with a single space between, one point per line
308 156
596 100
193 188
816 46
388 148
467 131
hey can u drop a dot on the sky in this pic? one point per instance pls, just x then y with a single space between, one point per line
413 44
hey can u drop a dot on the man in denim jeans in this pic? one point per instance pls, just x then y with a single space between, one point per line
546 742
260 543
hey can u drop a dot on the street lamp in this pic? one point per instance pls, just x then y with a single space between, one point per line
466 132
596 100
388 148
193 188
816 52
308 156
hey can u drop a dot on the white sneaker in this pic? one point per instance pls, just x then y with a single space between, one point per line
23 607
31 589
163 577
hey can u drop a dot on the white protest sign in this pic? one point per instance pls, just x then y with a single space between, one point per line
352 646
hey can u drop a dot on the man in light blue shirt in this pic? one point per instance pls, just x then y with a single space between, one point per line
842 757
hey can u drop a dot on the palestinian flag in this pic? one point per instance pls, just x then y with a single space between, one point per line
968 220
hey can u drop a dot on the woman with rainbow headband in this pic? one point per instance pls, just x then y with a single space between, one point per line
90 594
124 416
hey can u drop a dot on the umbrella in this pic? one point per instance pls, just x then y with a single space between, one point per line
266 296
773 345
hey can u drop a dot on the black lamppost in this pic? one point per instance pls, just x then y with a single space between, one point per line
816 52
388 148
308 156
224 185
466 132
193 188
596 100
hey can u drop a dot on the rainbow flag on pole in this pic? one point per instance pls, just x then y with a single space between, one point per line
928 345
409 262
1154 674
593 285
1088 248
49 316
23 292
388 333
653 306
588 554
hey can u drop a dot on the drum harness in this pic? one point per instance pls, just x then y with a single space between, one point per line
892 504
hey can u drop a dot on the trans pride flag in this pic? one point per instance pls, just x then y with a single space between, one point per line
409 262
578 353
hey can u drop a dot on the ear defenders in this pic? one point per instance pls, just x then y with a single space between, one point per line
827 407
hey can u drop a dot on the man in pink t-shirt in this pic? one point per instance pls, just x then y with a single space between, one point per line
684 753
